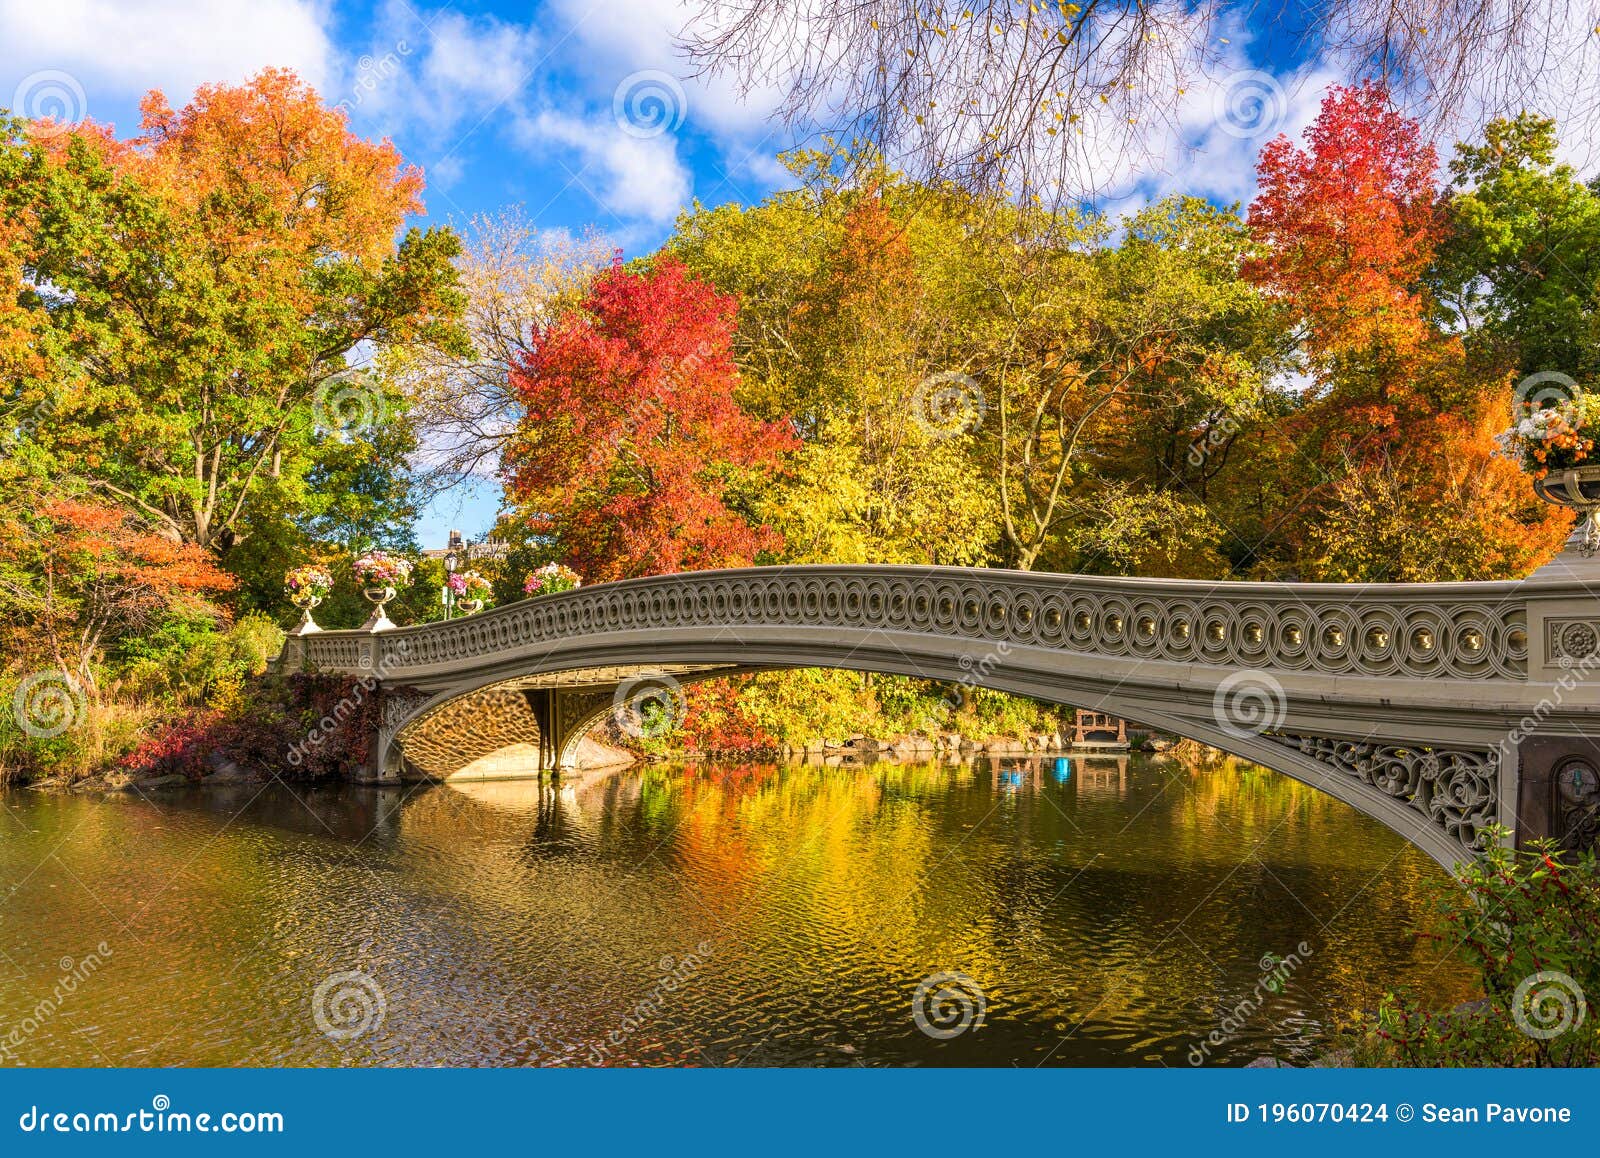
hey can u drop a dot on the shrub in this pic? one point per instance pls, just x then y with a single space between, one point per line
186 747
1528 922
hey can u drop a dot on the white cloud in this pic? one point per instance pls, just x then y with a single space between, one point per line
443 76
121 48
622 38
630 176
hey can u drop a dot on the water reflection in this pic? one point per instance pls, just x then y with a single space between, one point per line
1112 909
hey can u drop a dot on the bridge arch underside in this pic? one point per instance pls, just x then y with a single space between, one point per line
1435 777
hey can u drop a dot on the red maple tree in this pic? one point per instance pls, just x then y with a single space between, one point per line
1399 423
633 452
1350 224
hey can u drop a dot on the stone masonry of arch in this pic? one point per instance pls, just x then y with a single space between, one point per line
1438 709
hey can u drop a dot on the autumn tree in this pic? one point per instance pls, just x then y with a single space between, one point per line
1062 99
518 281
1397 419
1520 268
78 574
843 291
633 452
1103 359
205 286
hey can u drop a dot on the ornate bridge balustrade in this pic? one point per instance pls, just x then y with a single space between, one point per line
1411 702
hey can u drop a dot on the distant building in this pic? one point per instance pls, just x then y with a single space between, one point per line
484 549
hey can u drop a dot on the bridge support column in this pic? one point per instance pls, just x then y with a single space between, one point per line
1558 791
563 714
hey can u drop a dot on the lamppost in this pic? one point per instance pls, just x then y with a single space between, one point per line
448 595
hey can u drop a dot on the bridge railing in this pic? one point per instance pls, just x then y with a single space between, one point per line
1463 631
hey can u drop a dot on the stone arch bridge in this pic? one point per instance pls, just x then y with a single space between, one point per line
1437 709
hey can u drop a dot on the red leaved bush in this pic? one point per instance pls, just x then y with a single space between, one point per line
299 727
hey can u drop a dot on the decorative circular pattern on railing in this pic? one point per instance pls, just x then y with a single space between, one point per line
1369 634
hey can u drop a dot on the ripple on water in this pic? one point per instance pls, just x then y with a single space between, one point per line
711 916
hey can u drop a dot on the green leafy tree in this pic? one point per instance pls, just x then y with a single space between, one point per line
203 288
1521 268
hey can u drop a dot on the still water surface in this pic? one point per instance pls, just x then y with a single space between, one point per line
1111 911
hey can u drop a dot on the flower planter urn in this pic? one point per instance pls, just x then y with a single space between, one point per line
1576 488
379 597
305 601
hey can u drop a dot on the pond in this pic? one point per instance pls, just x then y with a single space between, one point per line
1045 911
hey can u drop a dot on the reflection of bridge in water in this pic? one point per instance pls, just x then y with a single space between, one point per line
1437 709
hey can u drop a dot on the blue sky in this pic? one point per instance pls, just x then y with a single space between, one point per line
580 111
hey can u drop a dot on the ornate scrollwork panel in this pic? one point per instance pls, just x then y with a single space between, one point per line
400 705
1577 786
1456 789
